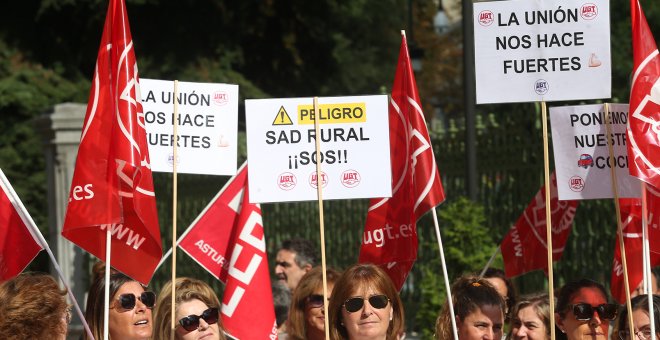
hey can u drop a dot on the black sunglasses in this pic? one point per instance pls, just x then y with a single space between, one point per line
127 301
354 304
191 322
585 311
315 300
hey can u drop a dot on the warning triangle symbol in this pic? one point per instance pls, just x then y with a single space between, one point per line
282 118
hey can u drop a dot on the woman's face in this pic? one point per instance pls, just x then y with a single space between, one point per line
132 324
642 324
528 325
315 315
367 322
484 323
204 331
592 329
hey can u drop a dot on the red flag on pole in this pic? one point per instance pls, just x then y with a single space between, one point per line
18 247
644 122
524 247
390 233
631 218
112 185
228 240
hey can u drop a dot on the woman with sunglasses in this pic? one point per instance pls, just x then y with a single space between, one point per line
306 315
530 319
365 305
583 311
641 320
197 310
32 306
479 311
130 308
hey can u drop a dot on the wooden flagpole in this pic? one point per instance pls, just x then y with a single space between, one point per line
319 193
548 216
647 259
490 261
175 124
617 208
450 303
106 291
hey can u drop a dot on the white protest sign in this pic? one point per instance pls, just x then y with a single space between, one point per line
207 128
355 149
582 158
547 50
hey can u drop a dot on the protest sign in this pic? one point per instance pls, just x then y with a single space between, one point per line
207 126
354 146
542 50
582 158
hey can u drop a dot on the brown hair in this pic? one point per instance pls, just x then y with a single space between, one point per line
95 300
541 306
32 306
355 277
296 324
468 294
187 289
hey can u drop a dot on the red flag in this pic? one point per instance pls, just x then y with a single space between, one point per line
112 185
644 123
390 233
524 247
631 219
228 240
18 247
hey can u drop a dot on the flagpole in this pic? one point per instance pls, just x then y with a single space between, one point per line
548 215
490 261
35 232
106 290
319 192
617 208
175 124
647 258
446 274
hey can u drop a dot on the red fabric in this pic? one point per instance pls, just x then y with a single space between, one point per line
644 131
390 236
112 185
524 247
228 240
631 219
17 245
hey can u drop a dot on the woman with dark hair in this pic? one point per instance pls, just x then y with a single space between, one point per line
306 315
503 285
530 318
130 308
365 305
583 310
32 306
479 311
197 310
641 320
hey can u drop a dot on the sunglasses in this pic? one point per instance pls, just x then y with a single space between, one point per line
127 301
585 311
315 300
354 304
191 322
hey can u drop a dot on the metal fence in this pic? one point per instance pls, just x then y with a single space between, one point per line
510 172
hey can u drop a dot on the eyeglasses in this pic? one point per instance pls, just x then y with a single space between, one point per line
643 335
585 311
315 300
127 301
191 322
354 304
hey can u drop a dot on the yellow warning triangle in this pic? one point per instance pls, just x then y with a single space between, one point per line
282 118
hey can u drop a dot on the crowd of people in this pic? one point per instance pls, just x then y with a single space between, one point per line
362 303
